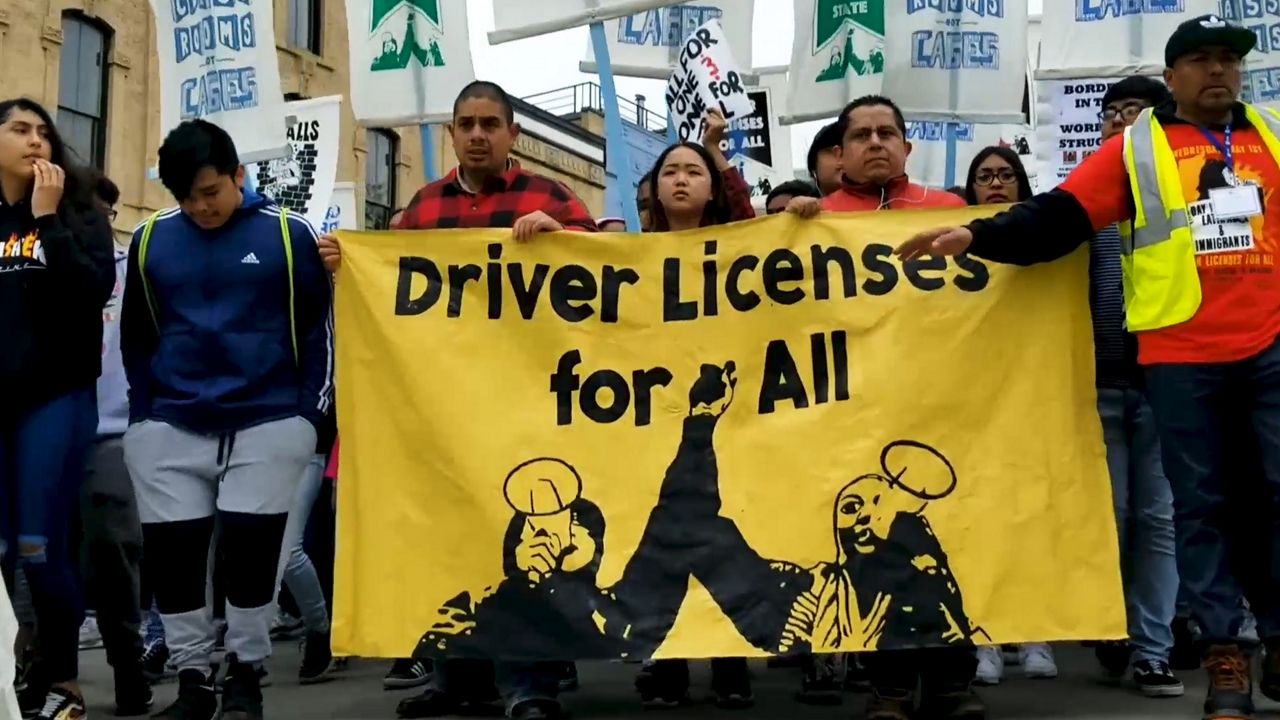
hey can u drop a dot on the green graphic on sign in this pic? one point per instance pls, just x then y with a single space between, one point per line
397 54
840 27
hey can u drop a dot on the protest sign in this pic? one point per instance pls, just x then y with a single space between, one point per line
732 441
706 77
927 163
757 145
1068 126
516 19
1110 38
218 63
341 214
957 62
837 55
409 59
302 180
1261 80
647 44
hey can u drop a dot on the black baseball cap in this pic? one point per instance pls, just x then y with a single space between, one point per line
1206 30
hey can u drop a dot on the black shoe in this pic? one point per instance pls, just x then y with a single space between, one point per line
856 678
61 704
889 706
961 704
406 673
196 699
1270 684
241 692
536 710
569 677
133 692
1114 659
317 659
731 683
430 703
32 696
1156 679
663 684
822 680
1230 685
155 660
1185 655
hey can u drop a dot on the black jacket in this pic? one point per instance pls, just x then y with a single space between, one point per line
56 274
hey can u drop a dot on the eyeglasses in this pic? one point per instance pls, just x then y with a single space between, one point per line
987 177
1127 113
112 214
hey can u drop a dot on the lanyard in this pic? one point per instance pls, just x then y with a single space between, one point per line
1223 147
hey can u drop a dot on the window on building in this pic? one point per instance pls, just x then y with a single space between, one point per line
380 179
305 20
82 87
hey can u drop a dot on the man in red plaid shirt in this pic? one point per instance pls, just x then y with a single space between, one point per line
488 189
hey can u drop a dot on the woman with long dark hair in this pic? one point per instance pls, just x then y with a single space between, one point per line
996 175
688 189
57 271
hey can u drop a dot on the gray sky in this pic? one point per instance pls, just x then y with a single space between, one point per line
547 62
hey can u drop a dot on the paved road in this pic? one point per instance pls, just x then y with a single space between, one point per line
606 694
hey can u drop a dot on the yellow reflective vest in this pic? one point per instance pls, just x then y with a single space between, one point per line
1161 281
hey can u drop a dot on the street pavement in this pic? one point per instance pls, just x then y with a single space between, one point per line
607 694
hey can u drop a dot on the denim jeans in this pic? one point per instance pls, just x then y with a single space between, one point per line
517 682
296 569
1144 520
1197 408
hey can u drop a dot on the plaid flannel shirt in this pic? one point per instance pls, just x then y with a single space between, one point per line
738 193
448 203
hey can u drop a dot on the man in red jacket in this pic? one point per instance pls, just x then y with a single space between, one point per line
874 153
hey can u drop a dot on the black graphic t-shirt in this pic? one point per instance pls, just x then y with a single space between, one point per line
55 277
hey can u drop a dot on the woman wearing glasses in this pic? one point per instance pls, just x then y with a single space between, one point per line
996 175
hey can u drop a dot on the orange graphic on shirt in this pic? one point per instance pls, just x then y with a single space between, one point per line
1201 172
24 246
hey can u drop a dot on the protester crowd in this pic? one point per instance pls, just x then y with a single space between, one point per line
168 445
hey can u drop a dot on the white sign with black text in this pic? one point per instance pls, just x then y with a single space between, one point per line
706 77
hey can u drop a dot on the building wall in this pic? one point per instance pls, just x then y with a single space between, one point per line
30 45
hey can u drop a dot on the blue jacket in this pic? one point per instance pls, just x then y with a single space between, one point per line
218 355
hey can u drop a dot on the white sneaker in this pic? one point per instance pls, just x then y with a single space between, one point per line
90 638
1037 661
990 666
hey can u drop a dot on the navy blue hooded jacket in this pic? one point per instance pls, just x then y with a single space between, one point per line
222 359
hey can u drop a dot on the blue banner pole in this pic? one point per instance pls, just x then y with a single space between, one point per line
673 137
428 153
950 132
616 152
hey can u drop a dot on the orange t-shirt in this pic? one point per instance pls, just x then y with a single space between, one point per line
1239 314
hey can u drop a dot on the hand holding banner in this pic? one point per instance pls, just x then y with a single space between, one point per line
706 77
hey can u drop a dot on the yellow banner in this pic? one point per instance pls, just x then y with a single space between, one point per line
767 437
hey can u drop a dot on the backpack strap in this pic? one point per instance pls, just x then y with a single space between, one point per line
142 268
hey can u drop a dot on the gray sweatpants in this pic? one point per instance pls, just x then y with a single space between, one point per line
246 480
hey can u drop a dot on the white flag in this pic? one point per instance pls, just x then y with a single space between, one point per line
516 19
1105 38
218 63
966 65
409 59
837 55
646 44
302 181
342 209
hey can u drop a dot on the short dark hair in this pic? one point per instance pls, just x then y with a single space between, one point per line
1138 87
873 101
490 90
191 147
794 188
828 137
106 190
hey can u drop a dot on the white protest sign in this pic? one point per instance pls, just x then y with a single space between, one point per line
218 63
1262 66
302 181
927 163
648 44
756 144
949 61
409 59
1111 38
1068 127
706 77
341 214
516 19
837 55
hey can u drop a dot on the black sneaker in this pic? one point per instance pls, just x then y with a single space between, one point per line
1230 685
889 705
959 704
406 673
1114 659
34 691
1156 679
196 699
155 660
822 680
731 683
663 684
133 692
1270 684
536 710
856 677
61 704
568 677
1185 655
317 659
241 693
430 703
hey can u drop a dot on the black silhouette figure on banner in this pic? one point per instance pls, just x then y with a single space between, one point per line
889 586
